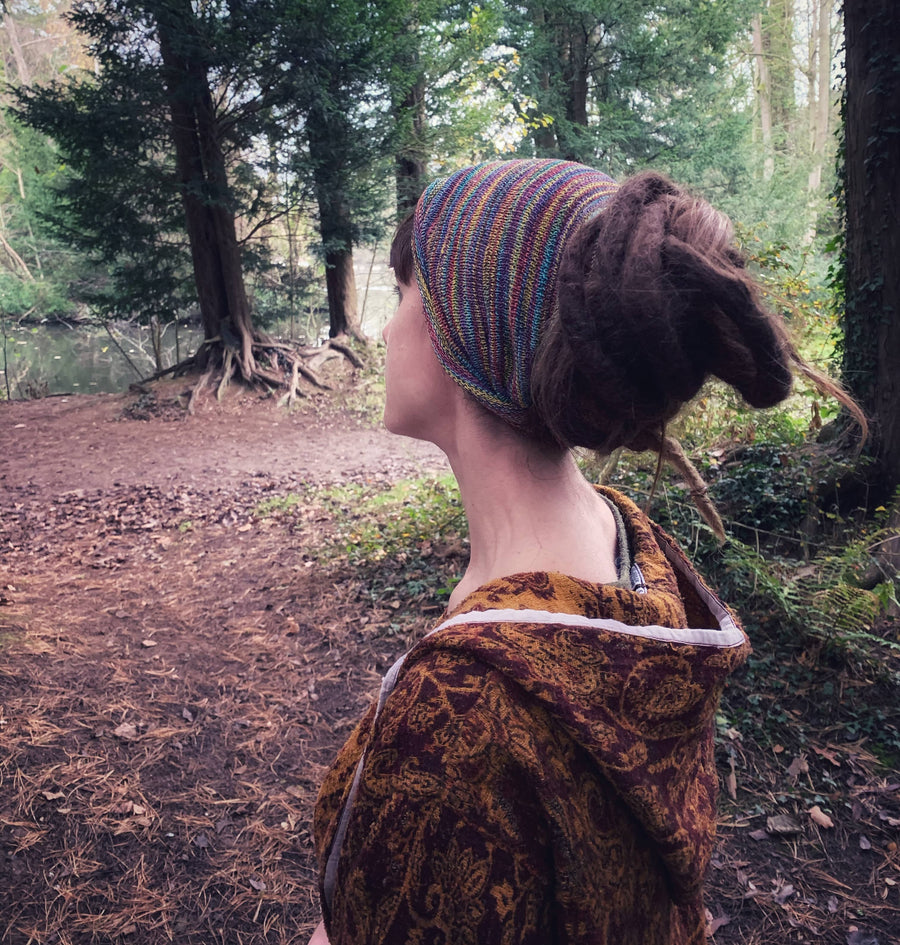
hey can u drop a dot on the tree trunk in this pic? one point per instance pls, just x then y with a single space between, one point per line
215 254
573 52
409 117
544 136
326 130
872 197
763 87
779 36
340 283
410 159
15 43
820 102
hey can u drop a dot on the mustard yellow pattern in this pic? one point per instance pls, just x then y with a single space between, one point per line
534 784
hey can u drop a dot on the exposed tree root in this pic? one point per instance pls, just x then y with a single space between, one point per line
335 344
227 373
294 391
198 388
271 364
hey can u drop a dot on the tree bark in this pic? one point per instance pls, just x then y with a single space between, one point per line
215 254
763 86
326 130
409 117
340 283
872 207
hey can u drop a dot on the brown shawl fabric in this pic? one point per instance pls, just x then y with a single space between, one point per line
539 784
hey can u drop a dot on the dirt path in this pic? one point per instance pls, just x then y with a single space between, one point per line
92 442
176 670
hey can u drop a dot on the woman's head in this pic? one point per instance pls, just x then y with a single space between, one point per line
486 245
583 313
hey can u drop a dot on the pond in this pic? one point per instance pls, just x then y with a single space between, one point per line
52 359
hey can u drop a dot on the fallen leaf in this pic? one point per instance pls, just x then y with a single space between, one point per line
714 923
778 749
797 767
187 715
828 755
201 841
52 795
258 885
858 937
782 824
784 893
833 904
126 730
820 817
864 842
759 834
731 784
148 643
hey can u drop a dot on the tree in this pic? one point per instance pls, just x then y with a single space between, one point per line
160 147
442 102
333 91
196 133
618 80
871 197
36 272
793 45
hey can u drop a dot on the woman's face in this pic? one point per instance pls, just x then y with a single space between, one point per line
419 394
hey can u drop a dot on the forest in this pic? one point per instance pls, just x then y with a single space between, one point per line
233 547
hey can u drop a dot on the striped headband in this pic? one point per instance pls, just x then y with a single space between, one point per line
487 243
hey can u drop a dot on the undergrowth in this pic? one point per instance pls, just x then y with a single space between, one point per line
406 542
800 599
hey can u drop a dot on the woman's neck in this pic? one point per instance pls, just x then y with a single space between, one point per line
529 509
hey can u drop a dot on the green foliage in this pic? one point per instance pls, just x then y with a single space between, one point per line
375 527
407 533
766 489
645 67
116 193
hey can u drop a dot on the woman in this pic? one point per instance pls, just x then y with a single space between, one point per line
539 769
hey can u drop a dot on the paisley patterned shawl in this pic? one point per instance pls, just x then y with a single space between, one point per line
536 783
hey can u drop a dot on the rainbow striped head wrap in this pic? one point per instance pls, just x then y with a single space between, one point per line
487 243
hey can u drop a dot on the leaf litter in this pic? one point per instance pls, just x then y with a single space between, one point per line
164 792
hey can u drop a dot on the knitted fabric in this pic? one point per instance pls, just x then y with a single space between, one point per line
487 243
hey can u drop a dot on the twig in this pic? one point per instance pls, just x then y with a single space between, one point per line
122 351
